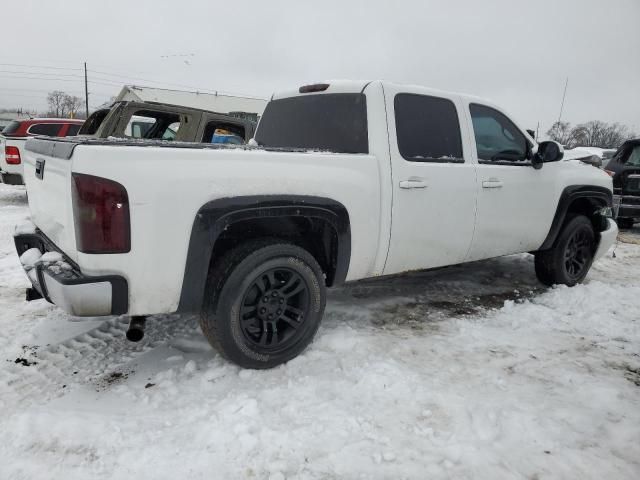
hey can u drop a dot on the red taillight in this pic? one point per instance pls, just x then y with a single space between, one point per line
101 213
12 155
610 173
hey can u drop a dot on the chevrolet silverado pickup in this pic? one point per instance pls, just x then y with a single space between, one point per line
344 181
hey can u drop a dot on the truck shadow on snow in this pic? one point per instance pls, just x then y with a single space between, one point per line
420 300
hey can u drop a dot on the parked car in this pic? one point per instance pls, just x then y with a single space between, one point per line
624 167
16 133
148 120
350 180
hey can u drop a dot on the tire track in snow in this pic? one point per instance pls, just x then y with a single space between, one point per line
88 359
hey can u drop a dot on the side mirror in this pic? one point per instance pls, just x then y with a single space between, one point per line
548 151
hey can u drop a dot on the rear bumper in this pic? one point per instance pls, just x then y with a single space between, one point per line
11 178
62 283
607 238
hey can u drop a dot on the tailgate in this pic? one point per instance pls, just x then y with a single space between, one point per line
47 175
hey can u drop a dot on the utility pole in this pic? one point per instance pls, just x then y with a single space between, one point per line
86 90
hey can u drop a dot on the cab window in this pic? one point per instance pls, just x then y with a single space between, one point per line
498 140
427 128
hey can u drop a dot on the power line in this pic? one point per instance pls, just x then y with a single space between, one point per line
74 92
22 77
42 73
151 81
46 67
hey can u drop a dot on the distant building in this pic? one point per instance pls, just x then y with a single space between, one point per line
240 106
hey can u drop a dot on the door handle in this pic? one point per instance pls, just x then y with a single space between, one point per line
413 183
492 183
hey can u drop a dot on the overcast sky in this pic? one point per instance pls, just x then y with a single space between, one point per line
517 53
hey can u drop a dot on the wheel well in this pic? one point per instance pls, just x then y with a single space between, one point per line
588 206
316 235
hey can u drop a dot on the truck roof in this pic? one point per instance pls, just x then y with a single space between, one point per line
356 86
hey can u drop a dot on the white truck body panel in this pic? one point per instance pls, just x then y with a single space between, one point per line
162 213
456 217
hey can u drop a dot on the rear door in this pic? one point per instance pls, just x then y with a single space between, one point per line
516 203
433 181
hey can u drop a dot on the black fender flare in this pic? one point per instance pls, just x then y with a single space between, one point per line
601 196
214 217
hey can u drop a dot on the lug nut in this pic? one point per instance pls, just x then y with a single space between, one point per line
281 301
263 310
271 316
279 312
274 294
265 299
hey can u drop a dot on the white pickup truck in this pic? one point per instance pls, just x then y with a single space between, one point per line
348 180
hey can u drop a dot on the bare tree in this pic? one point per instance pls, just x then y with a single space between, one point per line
590 134
601 134
72 105
56 100
562 133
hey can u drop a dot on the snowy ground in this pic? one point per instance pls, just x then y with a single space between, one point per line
467 372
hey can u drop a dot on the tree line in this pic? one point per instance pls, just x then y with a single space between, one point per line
590 134
63 105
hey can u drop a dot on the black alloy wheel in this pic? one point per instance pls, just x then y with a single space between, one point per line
273 310
578 253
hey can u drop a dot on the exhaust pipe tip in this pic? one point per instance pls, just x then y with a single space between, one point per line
135 332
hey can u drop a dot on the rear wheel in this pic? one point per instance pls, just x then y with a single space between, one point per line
570 258
265 300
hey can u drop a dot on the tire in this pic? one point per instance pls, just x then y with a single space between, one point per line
571 256
264 301
625 223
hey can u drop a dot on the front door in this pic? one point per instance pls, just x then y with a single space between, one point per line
516 203
434 182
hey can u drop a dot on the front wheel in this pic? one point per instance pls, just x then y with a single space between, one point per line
570 258
265 300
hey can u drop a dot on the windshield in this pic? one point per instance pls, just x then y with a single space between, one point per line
335 122
634 157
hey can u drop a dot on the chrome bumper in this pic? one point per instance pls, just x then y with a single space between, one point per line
62 283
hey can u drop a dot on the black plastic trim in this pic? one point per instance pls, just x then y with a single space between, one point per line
11 178
214 217
119 285
600 194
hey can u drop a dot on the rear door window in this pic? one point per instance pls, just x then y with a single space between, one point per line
427 128
50 129
335 122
